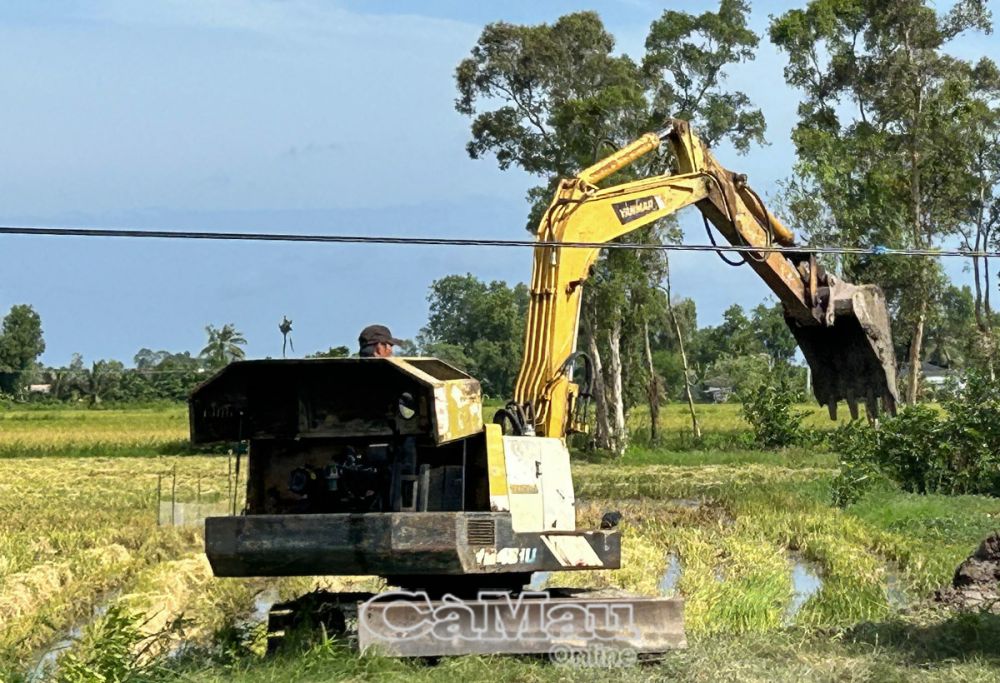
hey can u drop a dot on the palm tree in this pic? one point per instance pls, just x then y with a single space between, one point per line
223 345
100 380
286 329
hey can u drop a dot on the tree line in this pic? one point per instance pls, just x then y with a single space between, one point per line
479 327
156 375
475 325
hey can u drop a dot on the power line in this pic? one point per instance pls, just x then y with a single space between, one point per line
877 250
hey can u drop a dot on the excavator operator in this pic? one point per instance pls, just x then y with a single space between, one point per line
376 341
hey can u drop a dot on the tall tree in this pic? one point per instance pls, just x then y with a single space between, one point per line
21 343
224 345
477 326
553 99
878 125
686 60
678 332
102 380
980 147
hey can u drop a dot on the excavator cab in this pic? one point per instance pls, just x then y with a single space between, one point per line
384 466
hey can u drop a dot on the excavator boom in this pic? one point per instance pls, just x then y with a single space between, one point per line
842 329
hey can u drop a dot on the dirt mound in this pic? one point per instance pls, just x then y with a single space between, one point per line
977 580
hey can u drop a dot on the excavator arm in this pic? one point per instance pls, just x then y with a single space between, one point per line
842 329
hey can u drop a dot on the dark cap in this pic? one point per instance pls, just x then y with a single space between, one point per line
377 334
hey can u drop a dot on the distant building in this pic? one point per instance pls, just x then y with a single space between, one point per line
930 374
718 392
39 388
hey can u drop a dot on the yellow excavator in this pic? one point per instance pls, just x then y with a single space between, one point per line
842 329
385 466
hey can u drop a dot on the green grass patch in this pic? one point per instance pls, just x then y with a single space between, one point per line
640 456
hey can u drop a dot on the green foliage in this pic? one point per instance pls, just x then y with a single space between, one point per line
225 344
332 352
109 652
856 443
924 450
163 375
742 350
769 409
771 330
686 58
21 343
974 435
157 376
479 327
883 141
740 373
670 368
559 89
103 380
951 328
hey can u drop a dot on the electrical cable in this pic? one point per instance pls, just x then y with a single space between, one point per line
878 250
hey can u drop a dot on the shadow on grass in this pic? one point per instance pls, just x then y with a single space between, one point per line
959 636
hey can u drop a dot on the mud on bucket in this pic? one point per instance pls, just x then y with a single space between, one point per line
851 355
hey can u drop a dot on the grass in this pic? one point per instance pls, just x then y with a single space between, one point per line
93 433
133 432
77 531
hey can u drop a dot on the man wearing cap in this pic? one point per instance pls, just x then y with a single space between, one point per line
376 341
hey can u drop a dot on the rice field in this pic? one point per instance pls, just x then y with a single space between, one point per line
99 433
96 583
73 530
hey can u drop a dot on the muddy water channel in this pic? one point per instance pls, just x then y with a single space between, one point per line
45 663
806 578
806 583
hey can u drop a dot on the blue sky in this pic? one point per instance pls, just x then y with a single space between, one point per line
294 116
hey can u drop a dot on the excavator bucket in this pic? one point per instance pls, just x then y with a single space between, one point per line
851 354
